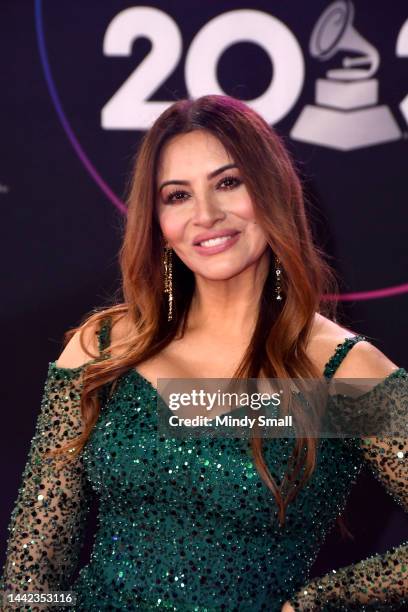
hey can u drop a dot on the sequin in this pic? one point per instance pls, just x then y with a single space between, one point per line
188 525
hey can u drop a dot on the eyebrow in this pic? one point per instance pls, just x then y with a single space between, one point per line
209 176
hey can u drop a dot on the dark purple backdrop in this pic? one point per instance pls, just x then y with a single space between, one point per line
61 228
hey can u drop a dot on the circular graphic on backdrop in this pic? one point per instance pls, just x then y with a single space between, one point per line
115 200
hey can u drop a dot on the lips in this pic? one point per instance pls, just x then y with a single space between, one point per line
209 235
219 240
214 249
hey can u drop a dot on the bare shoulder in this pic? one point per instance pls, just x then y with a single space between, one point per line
73 355
363 360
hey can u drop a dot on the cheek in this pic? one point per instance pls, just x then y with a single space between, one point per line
255 237
171 224
253 229
242 206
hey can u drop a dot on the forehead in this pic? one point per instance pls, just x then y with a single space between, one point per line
193 153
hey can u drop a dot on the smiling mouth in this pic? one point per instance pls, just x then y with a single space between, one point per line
216 241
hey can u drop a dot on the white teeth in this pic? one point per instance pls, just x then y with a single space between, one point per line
214 241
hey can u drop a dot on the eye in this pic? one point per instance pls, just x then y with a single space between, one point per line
226 183
174 196
229 182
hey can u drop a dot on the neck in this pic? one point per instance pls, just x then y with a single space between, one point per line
228 307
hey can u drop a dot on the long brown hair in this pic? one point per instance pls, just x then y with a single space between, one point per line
277 347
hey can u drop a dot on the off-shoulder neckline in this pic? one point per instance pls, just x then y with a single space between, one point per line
391 375
398 372
52 365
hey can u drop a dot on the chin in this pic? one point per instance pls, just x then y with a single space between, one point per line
219 274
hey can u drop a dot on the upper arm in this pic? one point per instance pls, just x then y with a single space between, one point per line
47 524
385 454
73 355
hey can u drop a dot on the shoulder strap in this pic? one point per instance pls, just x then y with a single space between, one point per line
104 334
341 351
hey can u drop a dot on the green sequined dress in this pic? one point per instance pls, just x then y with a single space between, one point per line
186 524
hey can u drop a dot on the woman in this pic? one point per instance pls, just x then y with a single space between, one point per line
221 278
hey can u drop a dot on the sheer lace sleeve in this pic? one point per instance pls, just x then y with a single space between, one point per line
48 518
381 581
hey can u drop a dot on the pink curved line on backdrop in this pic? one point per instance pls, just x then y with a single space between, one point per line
63 118
358 295
369 295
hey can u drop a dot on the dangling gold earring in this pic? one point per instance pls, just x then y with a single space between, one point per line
168 279
278 273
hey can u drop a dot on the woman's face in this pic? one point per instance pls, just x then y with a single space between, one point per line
200 192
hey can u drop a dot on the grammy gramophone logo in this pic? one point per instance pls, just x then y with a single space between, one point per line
346 114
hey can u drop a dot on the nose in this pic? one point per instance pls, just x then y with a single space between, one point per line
206 210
